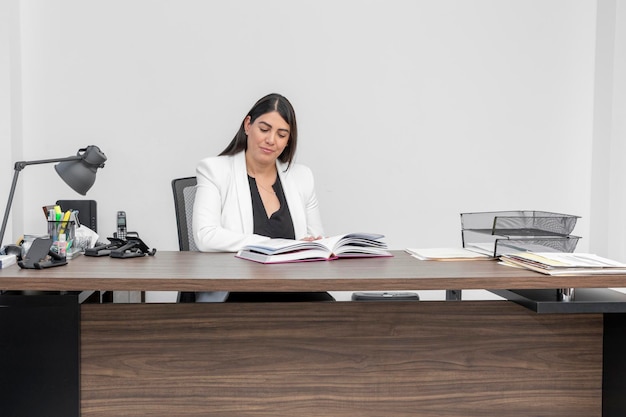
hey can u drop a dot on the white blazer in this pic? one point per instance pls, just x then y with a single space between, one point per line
222 211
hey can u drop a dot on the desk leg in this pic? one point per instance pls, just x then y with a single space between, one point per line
128 297
453 295
614 366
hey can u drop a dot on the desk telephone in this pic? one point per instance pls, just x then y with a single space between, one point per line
123 244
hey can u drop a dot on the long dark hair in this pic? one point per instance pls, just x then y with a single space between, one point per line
267 104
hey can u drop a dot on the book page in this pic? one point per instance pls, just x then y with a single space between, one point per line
274 246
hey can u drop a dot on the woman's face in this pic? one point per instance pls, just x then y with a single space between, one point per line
268 136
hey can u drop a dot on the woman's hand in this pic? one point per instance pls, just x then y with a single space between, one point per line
311 238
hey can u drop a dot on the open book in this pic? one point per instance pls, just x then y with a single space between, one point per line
350 245
560 263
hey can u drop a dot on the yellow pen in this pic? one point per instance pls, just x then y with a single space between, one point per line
66 218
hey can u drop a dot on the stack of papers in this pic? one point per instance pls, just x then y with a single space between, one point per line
6 260
559 263
447 254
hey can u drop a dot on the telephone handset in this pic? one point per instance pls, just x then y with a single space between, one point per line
121 225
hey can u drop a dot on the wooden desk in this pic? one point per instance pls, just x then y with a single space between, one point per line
486 358
195 271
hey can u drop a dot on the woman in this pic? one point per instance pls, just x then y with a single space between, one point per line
253 190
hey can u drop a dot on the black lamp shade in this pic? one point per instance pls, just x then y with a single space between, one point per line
80 174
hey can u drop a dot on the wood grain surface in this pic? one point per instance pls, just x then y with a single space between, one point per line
196 271
339 359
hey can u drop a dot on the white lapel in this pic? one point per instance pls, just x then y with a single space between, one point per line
242 187
294 201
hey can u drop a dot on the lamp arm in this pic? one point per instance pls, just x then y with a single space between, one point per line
8 208
20 165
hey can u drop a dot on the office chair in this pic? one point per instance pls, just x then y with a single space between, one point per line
184 197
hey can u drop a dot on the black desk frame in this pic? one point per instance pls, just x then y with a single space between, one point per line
40 355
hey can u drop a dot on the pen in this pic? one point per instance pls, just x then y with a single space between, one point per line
66 217
74 218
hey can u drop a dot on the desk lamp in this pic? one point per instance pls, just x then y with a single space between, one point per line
78 171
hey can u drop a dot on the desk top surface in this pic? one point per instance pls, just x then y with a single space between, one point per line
196 271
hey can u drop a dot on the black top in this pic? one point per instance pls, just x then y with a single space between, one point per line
279 225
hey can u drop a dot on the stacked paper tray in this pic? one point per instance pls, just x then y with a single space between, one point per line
499 232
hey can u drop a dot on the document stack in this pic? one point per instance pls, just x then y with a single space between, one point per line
502 232
555 263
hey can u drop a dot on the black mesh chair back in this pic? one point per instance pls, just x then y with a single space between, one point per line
184 196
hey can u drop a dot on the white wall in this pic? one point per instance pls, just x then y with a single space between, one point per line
5 101
617 204
617 199
10 109
410 112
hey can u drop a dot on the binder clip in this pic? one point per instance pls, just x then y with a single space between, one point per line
105 250
133 247
40 256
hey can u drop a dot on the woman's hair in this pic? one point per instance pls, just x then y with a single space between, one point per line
268 104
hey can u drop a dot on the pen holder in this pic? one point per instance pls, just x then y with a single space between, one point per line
57 228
